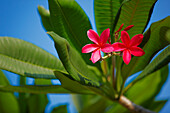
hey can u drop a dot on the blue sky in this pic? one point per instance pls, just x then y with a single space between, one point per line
20 19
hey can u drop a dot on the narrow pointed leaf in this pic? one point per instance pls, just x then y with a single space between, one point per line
73 85
105 13
73 62
151 89
137 13
160 61
45 18
155 39
8 102
26 59
36 89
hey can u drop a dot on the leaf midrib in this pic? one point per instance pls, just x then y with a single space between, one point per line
133 13
50 69
69 26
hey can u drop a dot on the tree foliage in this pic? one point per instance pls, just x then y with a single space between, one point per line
99 86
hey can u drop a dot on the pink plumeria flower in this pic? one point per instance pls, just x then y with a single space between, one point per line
99 44
129 46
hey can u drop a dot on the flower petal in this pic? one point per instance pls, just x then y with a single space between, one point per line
136 40
104 36
125 37
107 48
93 36
89 48
96 55
136 51
119 46
126 56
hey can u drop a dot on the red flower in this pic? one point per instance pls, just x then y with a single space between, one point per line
99 44
129 46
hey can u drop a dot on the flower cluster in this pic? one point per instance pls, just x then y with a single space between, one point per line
127 47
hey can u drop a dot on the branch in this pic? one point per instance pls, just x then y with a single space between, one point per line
109 55
132 106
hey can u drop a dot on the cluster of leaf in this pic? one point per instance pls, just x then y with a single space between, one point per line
67 24
25 102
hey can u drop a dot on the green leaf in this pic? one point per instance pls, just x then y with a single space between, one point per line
43 82
45 18
160 61
105 13
73 62
83 101
157 105
144 91
26 59
8 102
105 90
151 89
155 39
137 13
90 103
36 89
22 96
97 107
70 22
60 109
37 103
80 101
95 70
73 85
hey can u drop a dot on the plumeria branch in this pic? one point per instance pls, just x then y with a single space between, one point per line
132 106
109 55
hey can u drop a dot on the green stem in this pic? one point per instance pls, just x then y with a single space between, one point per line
121 89
118 74
22 97
113 71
